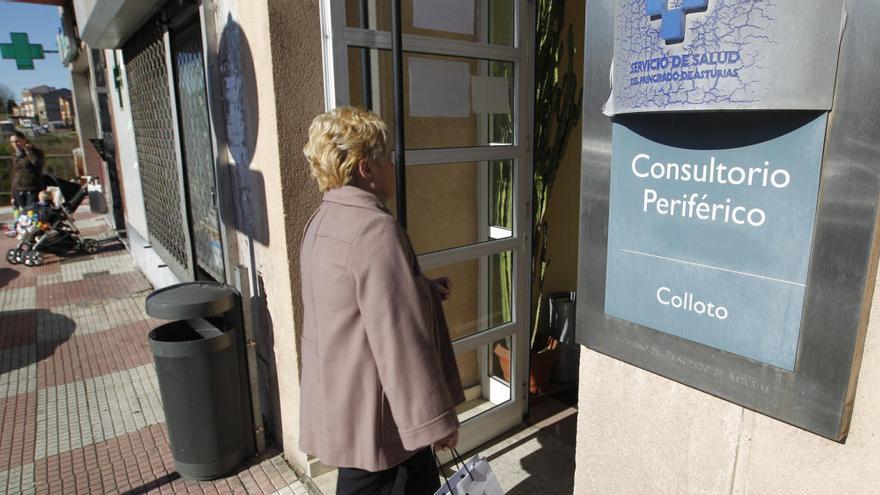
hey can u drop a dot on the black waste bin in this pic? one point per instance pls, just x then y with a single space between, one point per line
200 366
562 328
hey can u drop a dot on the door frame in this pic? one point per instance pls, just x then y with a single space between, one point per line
337 38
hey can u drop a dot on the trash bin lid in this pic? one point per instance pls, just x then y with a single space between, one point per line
191 300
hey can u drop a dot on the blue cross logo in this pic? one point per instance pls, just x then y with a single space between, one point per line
672 21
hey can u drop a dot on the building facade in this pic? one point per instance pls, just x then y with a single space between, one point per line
48 106
30 99
67 114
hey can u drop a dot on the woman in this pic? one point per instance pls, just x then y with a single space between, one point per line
379 379
27 173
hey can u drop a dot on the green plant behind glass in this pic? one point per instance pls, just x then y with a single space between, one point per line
501 199
558 101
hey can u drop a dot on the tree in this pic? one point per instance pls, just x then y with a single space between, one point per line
6 94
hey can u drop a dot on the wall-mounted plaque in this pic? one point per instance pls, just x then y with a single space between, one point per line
677 55
710 228
733 251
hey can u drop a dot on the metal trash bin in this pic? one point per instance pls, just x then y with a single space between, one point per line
200 366
562 328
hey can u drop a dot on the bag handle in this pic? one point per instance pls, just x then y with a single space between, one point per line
440 468
458 458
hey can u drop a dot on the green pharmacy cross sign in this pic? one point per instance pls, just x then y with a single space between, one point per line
22 51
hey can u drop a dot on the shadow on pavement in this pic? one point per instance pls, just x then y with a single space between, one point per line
158 483
110 245
537 457
550 468
105 246
24 344
153 485
7 275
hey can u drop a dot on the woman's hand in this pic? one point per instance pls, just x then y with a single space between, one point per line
444 286
450 442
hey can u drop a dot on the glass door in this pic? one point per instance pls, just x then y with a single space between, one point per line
467 92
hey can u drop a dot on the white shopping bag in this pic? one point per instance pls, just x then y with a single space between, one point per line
474 478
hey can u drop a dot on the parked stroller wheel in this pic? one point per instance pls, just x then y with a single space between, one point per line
12 256
36 258
33 258
90 246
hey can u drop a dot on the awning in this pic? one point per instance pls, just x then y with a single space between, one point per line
108 23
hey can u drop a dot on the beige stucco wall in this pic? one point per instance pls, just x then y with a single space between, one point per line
640 433
564 205
281 81
299 93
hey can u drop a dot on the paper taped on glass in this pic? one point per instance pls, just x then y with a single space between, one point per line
454 16
439 88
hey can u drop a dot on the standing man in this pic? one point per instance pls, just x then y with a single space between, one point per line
27 171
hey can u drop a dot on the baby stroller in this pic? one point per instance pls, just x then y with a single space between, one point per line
49 228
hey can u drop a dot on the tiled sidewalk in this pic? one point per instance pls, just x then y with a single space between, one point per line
79 404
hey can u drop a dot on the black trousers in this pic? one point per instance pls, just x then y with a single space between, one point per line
23 199
417 475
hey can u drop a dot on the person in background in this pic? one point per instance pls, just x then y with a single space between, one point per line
379 377
27 172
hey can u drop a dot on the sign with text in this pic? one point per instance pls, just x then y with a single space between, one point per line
710 229
678 55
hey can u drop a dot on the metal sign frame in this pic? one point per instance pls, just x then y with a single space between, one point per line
819 394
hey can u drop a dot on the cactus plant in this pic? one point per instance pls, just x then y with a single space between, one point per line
558 103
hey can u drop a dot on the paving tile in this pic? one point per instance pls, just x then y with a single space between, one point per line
18 480
92 231
49 278
140 462
115 264
100 315
17 299
93 289
80 410
51 264
77 414
17 431
18 370
94 354
12 278
88 221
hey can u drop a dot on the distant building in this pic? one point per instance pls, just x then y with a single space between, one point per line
28 107
48 106
68 113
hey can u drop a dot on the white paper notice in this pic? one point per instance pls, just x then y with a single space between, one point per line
438 88
489 94
454 16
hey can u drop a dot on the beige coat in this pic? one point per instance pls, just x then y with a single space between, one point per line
379 379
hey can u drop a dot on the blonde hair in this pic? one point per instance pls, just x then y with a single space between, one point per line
339 139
